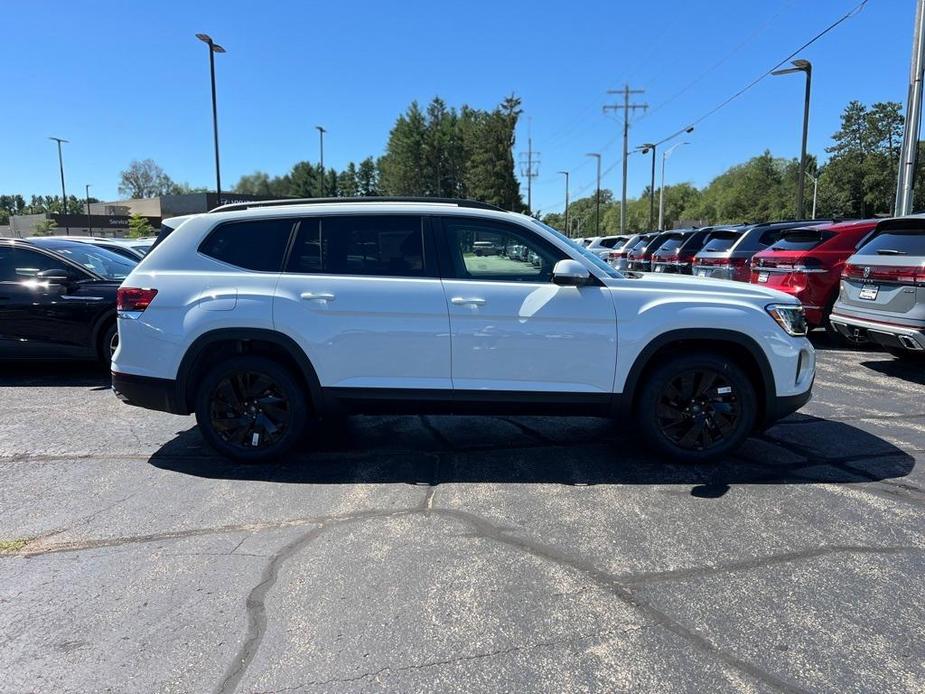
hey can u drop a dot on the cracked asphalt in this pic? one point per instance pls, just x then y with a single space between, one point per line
463 554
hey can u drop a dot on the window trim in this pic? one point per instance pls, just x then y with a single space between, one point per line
429 271
445 252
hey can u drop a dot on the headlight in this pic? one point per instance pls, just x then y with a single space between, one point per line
791 318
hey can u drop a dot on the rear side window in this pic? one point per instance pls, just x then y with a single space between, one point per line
383 246
253 245
801 240
896 243
721 241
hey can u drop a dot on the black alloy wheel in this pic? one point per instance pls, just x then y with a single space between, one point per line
697 407
251 409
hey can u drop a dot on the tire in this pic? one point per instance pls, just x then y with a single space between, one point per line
682 415
108 343
250 409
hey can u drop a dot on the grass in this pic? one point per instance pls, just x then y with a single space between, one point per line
10 546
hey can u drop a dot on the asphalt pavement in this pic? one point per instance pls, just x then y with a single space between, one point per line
462 554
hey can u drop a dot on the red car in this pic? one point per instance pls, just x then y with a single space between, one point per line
807 264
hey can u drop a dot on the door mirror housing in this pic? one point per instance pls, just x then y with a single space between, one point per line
570 273
55 276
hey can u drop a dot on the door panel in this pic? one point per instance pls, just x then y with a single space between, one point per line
361 296
512 328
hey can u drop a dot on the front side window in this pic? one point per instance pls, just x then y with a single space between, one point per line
383 246
257 245
26 264
481 250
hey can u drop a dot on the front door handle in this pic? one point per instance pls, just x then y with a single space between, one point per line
467 301
317 296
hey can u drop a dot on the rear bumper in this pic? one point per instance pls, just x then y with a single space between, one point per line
151 393
883 333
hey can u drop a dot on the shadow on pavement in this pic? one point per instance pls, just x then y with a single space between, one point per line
53 374
345 454
825 342
912 370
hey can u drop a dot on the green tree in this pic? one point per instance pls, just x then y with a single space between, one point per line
139 227
44 227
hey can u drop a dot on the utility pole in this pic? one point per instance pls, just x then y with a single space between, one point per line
529 167
321 132
565 173
63 192
627 109
905 181
87 191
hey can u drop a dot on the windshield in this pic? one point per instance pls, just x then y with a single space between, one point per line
592 258
721 241
99 260
903 242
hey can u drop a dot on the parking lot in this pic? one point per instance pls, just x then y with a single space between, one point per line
462 554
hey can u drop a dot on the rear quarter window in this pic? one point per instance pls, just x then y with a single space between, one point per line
911 242
253 245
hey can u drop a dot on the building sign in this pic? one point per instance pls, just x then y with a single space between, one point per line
98 221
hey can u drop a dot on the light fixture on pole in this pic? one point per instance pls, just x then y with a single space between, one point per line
213 49
321 132
597 197
806 67
661 192
63 192
565 173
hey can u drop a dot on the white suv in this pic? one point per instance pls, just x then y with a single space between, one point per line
260 316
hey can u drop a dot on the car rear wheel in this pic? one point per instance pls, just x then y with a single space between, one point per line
697 408
108 344
251 409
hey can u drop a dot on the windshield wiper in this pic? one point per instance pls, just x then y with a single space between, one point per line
890 251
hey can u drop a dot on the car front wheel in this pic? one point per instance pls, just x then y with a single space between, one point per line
697 408
251 409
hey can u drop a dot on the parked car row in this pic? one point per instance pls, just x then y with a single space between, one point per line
863 280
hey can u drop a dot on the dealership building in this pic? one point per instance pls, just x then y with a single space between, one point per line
111 218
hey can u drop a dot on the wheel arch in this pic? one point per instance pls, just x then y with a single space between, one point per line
737 346
234 341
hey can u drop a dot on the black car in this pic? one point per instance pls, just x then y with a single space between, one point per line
58 299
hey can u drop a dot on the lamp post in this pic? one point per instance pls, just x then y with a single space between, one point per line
815 181
213 49
321 132
644 149
597 204
565 173
87 192
63 192
661 192
806 67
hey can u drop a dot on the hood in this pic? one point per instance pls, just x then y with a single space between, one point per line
686 284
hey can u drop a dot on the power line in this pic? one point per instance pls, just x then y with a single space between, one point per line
755 81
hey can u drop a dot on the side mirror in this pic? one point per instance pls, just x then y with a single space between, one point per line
570 273
55 276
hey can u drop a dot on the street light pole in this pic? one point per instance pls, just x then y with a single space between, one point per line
63 192
213 49
905 180
565 173
597 203
645 150
805 67
87 191
321 132
815 181
661 192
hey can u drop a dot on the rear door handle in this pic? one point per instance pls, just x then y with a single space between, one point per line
467 301
317 296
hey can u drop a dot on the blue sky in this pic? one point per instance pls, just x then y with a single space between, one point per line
128 80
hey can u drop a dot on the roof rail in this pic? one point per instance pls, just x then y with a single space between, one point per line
459 202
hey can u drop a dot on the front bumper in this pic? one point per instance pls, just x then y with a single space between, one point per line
885 334
150 393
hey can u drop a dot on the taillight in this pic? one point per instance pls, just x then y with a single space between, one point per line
134 299
900 274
